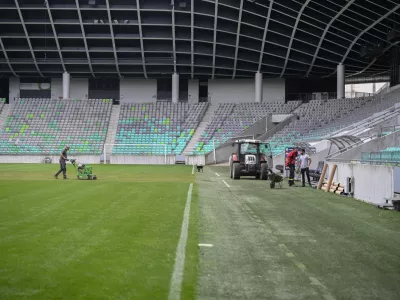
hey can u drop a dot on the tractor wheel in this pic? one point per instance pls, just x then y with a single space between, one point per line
231 170
264 171
272 185
236 171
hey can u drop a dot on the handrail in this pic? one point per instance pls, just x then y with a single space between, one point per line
375 120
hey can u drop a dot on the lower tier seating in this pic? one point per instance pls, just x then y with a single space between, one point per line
153 128
44 126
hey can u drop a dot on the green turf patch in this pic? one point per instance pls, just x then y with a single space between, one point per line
293 243
114 238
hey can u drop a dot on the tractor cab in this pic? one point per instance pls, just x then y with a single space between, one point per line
250 158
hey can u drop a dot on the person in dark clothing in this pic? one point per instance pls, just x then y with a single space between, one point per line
304 164
291 164
63 163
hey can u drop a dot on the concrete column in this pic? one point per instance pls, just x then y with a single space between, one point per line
340 82
259 87
175 88
66 83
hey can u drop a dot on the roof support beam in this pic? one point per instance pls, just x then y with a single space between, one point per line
373 61
27 38
271 2
173 34
113 38
6 56
363 32
293 33
214 39
141 38
321 40
84 37
192 38
46 3
237 38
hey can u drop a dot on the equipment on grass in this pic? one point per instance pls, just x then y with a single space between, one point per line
83 171
250 159
274 178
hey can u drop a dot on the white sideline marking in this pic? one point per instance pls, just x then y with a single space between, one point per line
217 174
177 275
193 170
206 245
226 183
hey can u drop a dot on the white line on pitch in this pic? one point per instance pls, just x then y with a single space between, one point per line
177 275
226 183
217 174
193 170
206 245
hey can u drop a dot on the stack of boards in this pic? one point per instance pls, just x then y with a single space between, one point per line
336 188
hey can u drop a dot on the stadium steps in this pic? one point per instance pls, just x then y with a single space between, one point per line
4 114
112 127
200 129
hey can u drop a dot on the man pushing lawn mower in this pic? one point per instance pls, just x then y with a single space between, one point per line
63 163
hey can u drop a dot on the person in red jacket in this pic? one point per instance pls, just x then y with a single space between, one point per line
291 164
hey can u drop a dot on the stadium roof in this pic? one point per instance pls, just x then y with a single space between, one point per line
195 38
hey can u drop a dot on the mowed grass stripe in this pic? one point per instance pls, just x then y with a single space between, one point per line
349 246
105 239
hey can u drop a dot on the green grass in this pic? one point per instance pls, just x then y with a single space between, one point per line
114 238
293 243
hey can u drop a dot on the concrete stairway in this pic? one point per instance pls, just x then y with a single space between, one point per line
199 130
4 114
112 129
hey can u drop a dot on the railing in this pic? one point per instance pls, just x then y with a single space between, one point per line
370 121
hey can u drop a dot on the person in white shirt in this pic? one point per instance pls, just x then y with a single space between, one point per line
304 164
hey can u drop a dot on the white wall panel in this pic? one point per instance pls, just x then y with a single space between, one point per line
193 91
243 90
13 88
138 90
79 88
274 90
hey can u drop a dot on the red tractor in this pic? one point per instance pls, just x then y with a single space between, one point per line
250 158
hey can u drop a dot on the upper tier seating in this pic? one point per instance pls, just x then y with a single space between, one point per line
44 126
321 118
162 123
231 120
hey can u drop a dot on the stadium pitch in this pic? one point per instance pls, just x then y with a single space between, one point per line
114 238
123 237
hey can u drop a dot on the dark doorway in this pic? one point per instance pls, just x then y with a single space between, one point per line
203 90
104 88
4 90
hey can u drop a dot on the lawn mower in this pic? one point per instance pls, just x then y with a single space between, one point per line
250 158
83 172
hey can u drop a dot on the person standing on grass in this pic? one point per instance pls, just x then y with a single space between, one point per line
63 163
304 164
291 164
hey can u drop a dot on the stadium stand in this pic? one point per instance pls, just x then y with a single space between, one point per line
231 120
320 119
162 123
44 126
391 154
